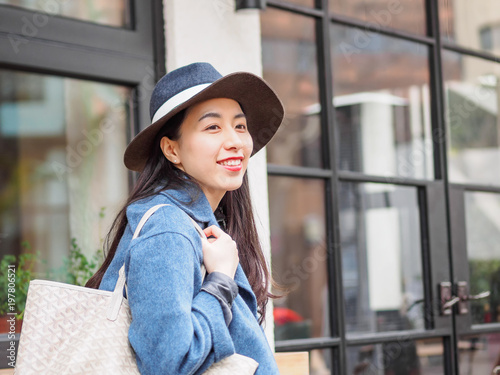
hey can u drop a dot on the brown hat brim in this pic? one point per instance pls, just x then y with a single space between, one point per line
263 109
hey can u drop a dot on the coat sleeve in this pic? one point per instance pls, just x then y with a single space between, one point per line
173 330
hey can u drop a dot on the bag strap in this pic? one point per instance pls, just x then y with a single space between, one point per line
116 300
145 218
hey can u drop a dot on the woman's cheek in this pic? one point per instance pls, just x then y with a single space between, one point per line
248 144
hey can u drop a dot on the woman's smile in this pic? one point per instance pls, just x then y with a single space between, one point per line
232 164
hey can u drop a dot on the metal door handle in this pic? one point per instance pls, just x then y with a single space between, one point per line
477 296
463 294
448 300
451 302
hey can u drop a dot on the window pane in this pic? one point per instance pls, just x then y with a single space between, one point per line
381 257
109 12
297 214
320 362
471 86
407 15
472 24
408 357
61 166
479 354
382 105
483 236
307 3
289 65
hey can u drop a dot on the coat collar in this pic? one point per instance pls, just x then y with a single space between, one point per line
191 199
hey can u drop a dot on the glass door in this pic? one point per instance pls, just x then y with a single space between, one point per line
476 239
471 93
357 198
471 74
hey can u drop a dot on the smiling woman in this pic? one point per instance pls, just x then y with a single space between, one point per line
193 158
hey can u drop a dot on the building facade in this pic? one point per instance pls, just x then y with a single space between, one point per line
377 200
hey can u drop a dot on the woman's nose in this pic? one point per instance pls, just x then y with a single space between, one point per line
233 140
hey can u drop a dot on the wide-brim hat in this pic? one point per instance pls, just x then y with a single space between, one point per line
195 83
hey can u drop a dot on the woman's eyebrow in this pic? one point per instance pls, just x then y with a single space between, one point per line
217 115
210 114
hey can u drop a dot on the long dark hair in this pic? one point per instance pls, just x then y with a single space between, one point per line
160 174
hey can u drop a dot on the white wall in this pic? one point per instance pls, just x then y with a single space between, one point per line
211 31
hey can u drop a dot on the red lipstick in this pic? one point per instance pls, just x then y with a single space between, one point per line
232 167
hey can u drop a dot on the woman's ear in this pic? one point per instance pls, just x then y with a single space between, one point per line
169 149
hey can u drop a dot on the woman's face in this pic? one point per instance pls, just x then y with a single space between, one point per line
214 145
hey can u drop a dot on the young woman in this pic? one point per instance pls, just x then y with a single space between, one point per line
194 157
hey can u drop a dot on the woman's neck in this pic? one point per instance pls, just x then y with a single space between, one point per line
213 196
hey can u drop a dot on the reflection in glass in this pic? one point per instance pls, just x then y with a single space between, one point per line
482 212
381 257
307 3
472 24
107 12
471 89
381 99
478 354
289 65
403 357
297 211
61 166
406 15
320 362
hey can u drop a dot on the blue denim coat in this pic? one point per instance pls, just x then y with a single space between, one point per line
176 328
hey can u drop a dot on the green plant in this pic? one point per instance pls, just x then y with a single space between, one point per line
77 268
23 266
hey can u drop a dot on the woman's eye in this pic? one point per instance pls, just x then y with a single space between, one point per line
212 127
241 126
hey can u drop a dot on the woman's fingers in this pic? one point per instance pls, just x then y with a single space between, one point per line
213 230
220 253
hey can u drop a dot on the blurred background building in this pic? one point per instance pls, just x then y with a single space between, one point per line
380 190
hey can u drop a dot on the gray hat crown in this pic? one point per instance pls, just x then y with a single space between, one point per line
179 80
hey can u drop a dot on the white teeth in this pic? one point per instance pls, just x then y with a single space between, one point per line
231 162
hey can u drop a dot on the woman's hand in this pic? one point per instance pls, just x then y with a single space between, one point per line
220 254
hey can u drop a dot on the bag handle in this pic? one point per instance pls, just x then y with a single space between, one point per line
145 218
116 299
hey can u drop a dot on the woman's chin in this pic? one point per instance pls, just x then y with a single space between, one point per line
233 188
228 183
233 184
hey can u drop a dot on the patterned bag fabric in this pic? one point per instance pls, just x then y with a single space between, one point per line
70 329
